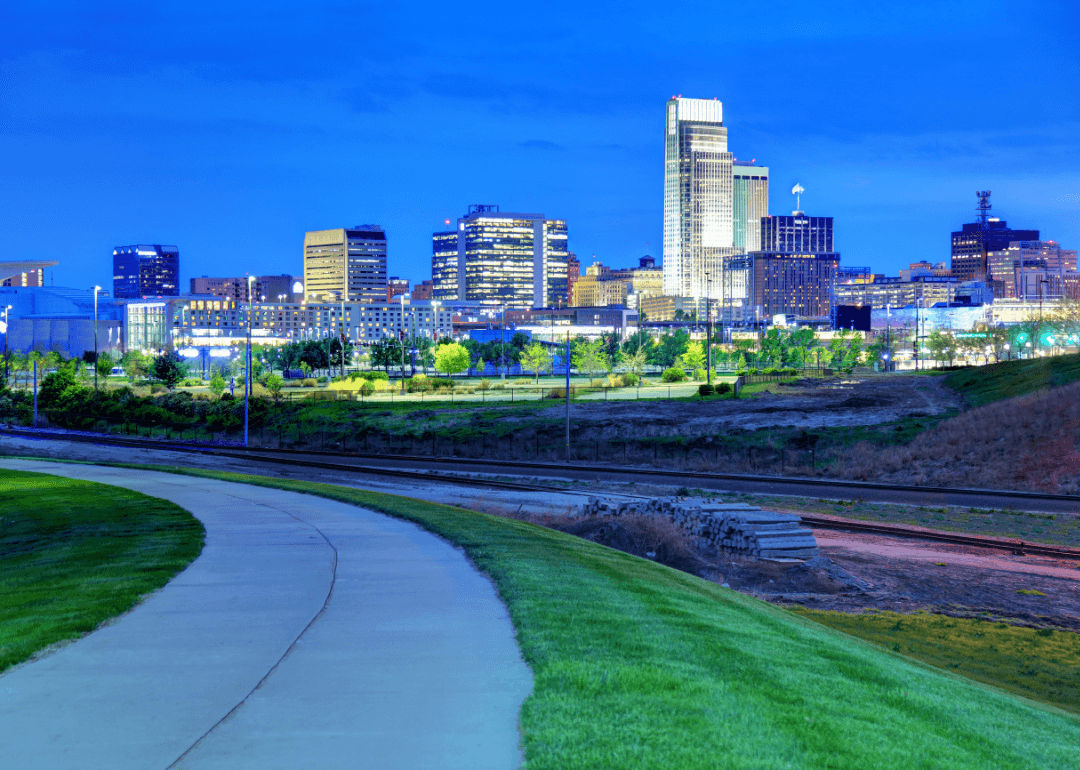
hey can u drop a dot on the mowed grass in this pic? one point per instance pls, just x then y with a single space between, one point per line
982 384
74 554
1043 664
640 666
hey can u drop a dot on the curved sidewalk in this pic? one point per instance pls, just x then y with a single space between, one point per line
309 633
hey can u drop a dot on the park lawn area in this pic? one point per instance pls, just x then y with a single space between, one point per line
982 384
74 554
1043 664
639 665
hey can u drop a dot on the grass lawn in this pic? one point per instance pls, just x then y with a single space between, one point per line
74 554
1043 664
637 665
983 384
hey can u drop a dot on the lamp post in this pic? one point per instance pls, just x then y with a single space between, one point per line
434 320
96 290
7 333
401 336
1008 356
708 331
247 359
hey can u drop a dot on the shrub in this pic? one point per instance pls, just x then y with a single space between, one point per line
367 388
630 379
308 382
419 383
700 374
722 387
771 370
559 393
484 385
349 385
673 374
359 376
375 375
191 382
705 389
157 387
323 380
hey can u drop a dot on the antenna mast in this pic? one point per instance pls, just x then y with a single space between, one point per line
797 191
983 209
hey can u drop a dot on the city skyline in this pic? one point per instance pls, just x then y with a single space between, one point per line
183 145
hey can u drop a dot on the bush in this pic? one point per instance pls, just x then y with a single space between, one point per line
673 374
705 389
722 387
419 383
308 382
374 375
366 388
323 380
157 387
559 393
191 382
630 379
700 374
771 370
484 385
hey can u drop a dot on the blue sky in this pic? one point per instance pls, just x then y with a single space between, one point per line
229 129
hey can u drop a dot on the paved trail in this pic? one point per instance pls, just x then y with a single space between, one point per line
309 633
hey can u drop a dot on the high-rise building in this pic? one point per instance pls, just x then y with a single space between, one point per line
24 273
349 261
699 226
1025 269
797 233
146 271
395 287
974 241
266 288
501 259
750 203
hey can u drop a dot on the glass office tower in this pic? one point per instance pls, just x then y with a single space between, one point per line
750 203
146 271
501 259
698 198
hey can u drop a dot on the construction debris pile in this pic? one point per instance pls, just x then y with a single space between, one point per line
731 526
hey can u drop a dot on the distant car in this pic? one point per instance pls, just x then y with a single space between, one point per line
116 370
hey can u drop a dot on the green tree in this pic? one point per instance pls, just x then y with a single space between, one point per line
104 364
942 346
670 347
135 364
452 359
635 362
693 357
386 353
639 340
217 382
167 369
274 383
590 357
537 358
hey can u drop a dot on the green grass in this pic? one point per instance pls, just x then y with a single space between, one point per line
74 554
638 665
1043 664
983 384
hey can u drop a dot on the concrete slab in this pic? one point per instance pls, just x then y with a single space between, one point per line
309 633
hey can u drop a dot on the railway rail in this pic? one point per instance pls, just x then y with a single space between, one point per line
360 463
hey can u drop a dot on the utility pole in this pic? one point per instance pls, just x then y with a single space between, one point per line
567 395
7 333
708 331
247 360
96 290
401 339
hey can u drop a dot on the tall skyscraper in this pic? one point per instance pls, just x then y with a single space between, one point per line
349 261
750 203
698 197
974 241
501 259
146 271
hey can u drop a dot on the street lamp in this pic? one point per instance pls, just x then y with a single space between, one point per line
247 359
401 336
434 320
7 333
96 290
708 330
1008 357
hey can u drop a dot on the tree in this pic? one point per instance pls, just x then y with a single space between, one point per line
942 346
386 353
452 359
104 364
274 383
590 357
537 358
167 369
670 347
135 365
217 382
694 357
639 340
635 362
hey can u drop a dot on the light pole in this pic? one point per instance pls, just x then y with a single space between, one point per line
708 331
7 333
96 290
247 359
401 339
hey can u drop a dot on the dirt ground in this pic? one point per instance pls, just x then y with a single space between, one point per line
806 404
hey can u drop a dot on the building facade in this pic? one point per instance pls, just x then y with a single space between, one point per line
768 283
797 234
146 271
24 273
280 288
501 259
698 196
1030 266
750 204
347 263
973 242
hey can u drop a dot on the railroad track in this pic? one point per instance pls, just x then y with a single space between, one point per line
353 463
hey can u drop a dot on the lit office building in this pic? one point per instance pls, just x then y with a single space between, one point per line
267 288
768 283
345 263
699 226
146 271
797 234
972 244
1026 265
750 203
501 259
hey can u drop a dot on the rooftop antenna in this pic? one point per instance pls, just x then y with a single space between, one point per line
983 209
797 191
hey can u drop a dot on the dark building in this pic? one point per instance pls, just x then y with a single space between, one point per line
146 271
975 240
791 284
267 288
797 234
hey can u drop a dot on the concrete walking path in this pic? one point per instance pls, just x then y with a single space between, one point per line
309 633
